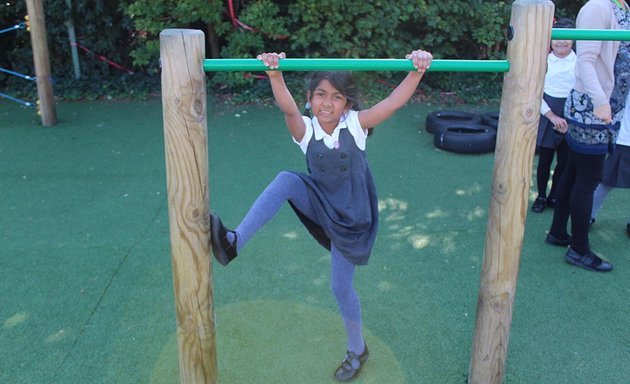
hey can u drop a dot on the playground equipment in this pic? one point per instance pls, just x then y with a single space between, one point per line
22 25
185 128
590 34
24 103
25 77
13 28
216 65
41 59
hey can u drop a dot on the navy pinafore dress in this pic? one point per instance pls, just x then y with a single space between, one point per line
343 195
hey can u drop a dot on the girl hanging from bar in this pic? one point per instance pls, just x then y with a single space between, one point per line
336 200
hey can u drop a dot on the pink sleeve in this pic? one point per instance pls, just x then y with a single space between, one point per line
591 16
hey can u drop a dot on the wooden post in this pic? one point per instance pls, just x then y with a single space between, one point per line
518 120
186 143
41 60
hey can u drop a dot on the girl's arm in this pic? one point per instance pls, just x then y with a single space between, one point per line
284 99
593 16
384 109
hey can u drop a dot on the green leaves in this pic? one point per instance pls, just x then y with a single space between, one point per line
127 32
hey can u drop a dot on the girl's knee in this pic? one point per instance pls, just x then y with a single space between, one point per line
286 178
284 175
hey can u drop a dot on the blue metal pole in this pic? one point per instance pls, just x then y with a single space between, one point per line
27 77
16 26
24 103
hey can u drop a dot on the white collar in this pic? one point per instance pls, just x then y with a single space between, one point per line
319 132
330 141
570 57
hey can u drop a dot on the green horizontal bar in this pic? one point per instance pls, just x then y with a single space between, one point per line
590 34
216 65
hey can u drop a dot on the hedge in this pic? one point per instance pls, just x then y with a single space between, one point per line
126 33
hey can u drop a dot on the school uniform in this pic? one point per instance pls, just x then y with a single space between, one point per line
601 78
617 165
340 187
559 81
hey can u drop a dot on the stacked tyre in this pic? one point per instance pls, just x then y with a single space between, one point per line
463 132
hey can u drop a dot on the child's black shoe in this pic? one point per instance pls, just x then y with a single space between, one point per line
558 241
589 261
539 204
347 370
223 250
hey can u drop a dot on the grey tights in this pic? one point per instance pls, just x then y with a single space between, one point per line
288 186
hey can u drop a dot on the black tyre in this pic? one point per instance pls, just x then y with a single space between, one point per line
467 138
440 120
490 119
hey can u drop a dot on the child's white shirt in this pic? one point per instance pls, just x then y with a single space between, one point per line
348 121
560 77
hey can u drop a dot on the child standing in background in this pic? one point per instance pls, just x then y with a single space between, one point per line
552 127
336 200
616 167
593 112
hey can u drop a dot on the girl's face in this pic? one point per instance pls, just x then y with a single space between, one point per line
561 48
328 105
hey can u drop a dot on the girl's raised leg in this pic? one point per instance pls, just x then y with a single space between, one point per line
286 186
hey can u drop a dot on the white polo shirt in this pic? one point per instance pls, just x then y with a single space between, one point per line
560 77
348 121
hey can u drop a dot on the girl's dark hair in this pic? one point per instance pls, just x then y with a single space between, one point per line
343 81
564 22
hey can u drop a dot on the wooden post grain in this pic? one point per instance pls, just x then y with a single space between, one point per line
531 21
39 43
186 144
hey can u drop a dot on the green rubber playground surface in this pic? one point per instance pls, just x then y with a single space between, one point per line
86 283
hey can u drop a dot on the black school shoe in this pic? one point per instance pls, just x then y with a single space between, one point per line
590 261
539 204
223 250
558 242
346 371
